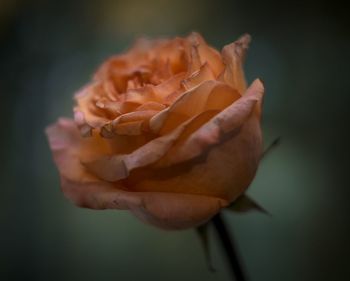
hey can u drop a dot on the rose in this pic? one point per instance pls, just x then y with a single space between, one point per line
167 130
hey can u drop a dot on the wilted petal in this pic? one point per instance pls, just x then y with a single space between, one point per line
195 60
198 77
67 146
187 105
233 56
219 159
151 106
228 120
168 87
117 167
207 54
90 114
209 95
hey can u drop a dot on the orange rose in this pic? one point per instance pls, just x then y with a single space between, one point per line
168 130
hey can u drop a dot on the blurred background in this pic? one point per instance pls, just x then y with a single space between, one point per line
49 49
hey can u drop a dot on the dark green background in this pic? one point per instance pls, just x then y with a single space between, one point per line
48 49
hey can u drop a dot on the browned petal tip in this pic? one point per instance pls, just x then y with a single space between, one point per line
258 86
195 38
261 81
107 131
244 40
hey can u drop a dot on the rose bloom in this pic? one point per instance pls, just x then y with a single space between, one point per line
168 130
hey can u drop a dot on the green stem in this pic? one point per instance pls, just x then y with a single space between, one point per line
229 247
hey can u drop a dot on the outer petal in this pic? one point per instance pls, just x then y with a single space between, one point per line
68 147
117 167
233 56
230 119
94 109
207 54
209 95
193 109
219 159
166 210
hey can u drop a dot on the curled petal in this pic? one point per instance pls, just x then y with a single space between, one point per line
66 145
195 60
117 167
168 87
127 106
209 95
208 54
135 116
133 123
217 159
198 77
233 56
132 128
228 120
90 114
151 106
183 107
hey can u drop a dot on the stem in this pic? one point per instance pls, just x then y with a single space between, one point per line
229 247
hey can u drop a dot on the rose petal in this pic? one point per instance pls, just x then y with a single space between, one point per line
133 128
168 87
164 210
228 120
173 51
132 123
89 113
65 143
135 116
182 112
110 66
117 167
161 71
198 77
141 95
110 90
151 106
209 95
194 59
233 56
219 159
207 54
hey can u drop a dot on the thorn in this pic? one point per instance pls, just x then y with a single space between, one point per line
273 145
